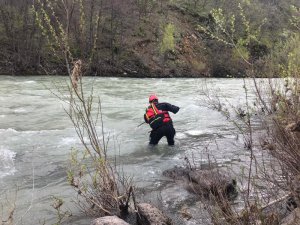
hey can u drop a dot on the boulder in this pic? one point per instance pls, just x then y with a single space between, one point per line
109 220
204 182
150 215
212 181
177 173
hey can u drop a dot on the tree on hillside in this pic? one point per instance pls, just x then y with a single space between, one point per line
168 41
20 39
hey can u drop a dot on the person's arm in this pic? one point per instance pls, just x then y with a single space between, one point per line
168 107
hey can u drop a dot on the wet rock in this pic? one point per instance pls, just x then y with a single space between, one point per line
291 204
109 220
177 173
293 127
150 215
292 219
204 182
185 213
266 145
212 181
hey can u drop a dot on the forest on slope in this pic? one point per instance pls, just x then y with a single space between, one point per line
151 38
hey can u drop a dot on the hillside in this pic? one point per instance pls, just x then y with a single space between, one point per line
135 38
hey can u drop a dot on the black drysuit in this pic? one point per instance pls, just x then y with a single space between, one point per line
167 128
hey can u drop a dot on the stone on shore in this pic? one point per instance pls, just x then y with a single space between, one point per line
150 215
109 220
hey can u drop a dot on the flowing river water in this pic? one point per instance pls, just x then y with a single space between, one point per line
36 137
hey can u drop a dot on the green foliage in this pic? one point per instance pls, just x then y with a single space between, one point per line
198 65
241 51
290 65
293 57
82 21
56 38
247 2
13 16
145 6
234 30
140 31
295 19
61 214
168 41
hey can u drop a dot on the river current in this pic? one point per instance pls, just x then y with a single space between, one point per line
36 137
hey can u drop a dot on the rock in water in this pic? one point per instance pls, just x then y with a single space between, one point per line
212 181
150 215
177 173
204 182
109 220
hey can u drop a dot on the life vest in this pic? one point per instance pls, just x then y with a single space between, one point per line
155 117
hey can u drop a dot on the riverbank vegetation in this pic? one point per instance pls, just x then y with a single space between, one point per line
272 178
148 38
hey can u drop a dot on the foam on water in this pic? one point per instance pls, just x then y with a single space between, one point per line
29 82
7 166
11 130
180 135
68 141
20 110
195 132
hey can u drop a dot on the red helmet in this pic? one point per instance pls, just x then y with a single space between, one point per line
152 98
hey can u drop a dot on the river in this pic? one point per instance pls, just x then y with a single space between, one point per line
36 137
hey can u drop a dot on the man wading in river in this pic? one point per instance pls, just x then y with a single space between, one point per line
157 116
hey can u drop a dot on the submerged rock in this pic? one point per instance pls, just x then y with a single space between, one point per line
150 215
204 182
212 181
177 173
109 220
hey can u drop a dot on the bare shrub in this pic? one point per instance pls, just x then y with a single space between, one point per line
273 169
268 182
102 190
76 73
